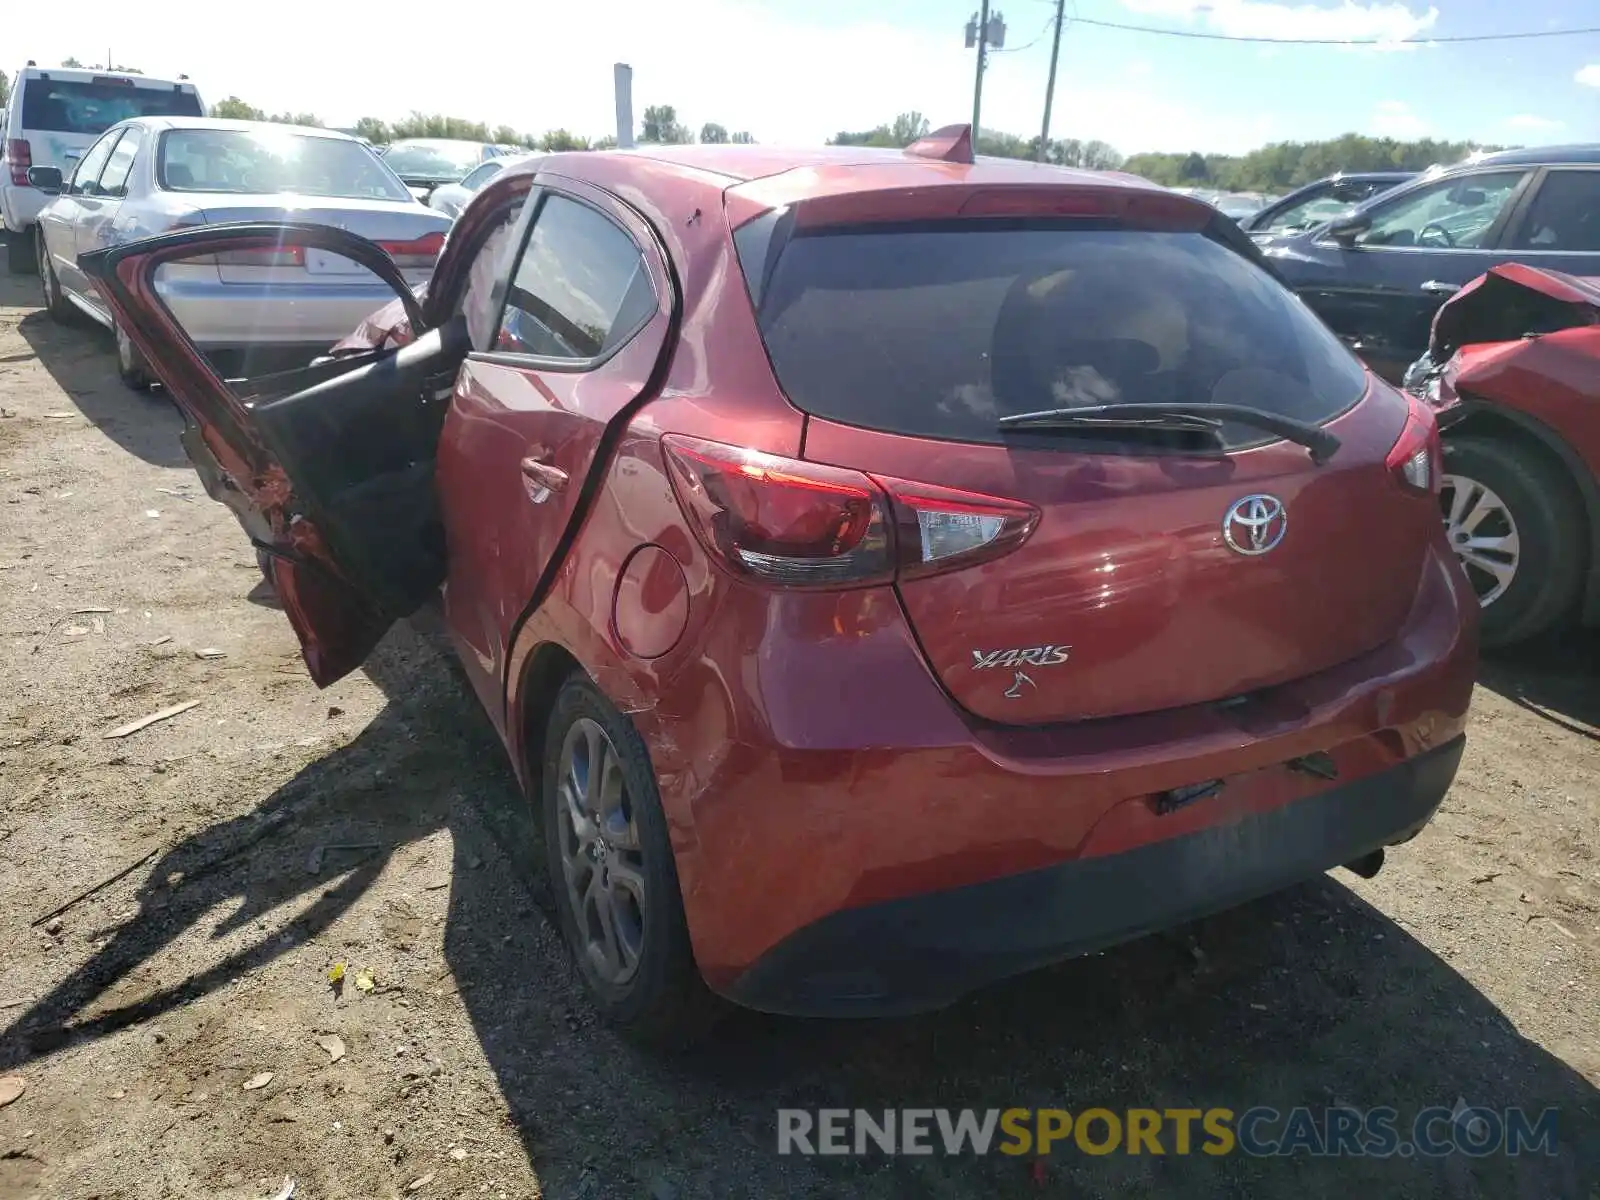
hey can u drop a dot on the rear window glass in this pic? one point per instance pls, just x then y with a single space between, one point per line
57 106
941 331
433 160
268 163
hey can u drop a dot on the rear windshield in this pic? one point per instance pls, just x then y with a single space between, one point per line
940 331
433 160
269 163
56 106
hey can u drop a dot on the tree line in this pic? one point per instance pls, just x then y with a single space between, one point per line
1277 167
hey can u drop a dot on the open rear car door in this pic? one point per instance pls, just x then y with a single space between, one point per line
329 467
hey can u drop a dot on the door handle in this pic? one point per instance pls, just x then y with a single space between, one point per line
542 479
1437 287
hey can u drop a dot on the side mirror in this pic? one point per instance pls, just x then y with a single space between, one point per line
46 179
1346 227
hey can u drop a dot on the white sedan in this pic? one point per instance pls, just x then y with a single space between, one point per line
451 198
251 309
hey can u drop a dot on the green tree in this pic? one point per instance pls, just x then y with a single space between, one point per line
285 118
661 126
436 125
905 129
608 142
713 134
506 136
374 130
5 89
561 139
72 62
743 138
235 109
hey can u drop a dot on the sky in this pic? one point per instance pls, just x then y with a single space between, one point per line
797 71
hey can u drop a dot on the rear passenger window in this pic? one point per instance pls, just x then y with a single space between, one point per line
114 179
1565 215
580 289
90 166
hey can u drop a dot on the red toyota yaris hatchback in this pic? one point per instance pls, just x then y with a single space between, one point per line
889 572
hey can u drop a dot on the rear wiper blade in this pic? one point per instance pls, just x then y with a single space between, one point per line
1197 417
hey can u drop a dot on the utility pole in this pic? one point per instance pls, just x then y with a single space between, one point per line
983 33
1050 87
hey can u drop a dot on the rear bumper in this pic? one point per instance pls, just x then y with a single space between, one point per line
921 953
20 206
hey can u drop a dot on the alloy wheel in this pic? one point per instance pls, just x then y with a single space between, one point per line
1483 533
601 855
47 277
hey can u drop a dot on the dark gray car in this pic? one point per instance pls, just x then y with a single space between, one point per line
1378 275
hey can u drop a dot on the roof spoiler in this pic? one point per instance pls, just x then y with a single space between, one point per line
953 143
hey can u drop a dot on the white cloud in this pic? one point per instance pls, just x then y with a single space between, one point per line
1529 123
1589 76
1394 118
1384 23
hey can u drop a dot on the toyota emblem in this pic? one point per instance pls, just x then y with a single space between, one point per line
1255 524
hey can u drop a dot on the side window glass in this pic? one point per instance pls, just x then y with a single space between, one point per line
580 288
90 165
477 300
114 179
1453 214
1565 215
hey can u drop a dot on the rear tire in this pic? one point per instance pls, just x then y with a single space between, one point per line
131 368
58 307
1530 581
19 253
650 989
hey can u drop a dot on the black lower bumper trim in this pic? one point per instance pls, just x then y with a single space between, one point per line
923 952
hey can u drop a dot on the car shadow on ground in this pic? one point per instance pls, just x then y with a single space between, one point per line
1556 678
1310 998
78 358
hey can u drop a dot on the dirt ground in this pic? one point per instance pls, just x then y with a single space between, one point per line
273 830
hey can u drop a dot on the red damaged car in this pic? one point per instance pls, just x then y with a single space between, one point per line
888 571
1513 375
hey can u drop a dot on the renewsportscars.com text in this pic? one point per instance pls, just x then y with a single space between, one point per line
1315 1132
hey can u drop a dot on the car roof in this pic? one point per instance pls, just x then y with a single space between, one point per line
827 164
1586 152
224 123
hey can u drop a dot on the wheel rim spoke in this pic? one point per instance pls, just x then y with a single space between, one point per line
601 855
1484 535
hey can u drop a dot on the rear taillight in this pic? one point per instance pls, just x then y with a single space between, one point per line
20 155
276 256
802 524
1414 459
421 252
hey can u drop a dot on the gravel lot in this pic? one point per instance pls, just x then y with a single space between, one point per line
274 830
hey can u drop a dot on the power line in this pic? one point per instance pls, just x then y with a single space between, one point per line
1039 37
1228 37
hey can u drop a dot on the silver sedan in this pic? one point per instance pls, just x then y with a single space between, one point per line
251 311
451 198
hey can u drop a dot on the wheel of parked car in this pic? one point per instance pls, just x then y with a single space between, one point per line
57 305
19 254
131 367
612 870
1512 518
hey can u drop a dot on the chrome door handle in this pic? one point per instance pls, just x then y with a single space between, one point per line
541 479
1438 287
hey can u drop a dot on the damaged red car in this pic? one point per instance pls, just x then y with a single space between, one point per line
1513 375
888 571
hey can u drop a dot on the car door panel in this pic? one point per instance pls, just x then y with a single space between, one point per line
329 469
77 196
523 443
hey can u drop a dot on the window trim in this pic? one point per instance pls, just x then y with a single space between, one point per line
111 137
1525 211
1493 236
533 207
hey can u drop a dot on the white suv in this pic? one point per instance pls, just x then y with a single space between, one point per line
53 116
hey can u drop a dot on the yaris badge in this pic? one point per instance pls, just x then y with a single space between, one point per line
1255 524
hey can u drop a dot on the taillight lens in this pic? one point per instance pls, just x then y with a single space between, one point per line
802 524
20 156
420 252
1415 457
